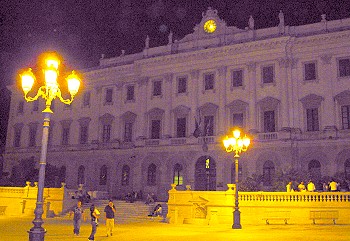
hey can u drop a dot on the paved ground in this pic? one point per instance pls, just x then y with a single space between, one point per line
60 229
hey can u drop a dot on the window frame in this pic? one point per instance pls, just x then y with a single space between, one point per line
305 71
312 123
157 86
130 97
108 100
347 68
273 74
212 81
241 80
184 80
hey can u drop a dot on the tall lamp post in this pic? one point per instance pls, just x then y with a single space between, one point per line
49 91
236 144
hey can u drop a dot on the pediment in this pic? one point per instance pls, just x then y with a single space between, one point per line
181 110
343 98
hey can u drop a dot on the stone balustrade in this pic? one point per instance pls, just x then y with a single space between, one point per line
202 207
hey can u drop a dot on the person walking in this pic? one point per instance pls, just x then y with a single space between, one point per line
94 221
78 212
110 211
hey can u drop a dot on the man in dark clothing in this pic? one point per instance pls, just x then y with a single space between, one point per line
110 210
78 212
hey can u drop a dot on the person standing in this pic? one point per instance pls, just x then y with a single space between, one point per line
289 187
110 211
301 187
94 221
311 186
333 186
78 212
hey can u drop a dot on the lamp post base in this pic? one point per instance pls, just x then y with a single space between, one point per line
236 220
36 234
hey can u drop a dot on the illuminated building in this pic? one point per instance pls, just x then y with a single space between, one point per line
133 125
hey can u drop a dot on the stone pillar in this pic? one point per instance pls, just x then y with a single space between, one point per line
141 121
222 116
284 66
252 125
327 74
168 93
193 88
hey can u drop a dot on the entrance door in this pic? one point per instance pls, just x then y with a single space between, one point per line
205 174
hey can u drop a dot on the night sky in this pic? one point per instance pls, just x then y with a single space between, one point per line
82 30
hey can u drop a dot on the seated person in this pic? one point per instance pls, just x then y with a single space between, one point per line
157 211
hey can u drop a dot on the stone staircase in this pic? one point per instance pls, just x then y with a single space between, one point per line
126 212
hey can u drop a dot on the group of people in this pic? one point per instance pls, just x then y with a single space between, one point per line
78 212
310 187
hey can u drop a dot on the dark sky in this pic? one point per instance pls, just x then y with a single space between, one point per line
81 30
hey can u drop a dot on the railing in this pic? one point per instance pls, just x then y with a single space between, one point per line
295 196
268 136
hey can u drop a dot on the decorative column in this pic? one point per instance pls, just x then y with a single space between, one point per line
252 116
193 88
329 105
141 121
284 65
168 120
222 87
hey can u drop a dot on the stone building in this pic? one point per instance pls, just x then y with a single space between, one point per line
132 126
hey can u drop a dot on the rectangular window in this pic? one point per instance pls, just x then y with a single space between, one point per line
65 135
86 99
269 121
344 67
157 88
181 127
208 125
17 140
83 134
268 74
237 120
209 81
20 107
109 96
182 85
345 116
309 71
312 119
36 105
130 92
32 135
106 133
237 78
128 132
155 129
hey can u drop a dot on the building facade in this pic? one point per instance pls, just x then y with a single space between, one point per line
135 124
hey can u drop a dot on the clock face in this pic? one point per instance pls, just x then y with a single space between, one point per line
210 26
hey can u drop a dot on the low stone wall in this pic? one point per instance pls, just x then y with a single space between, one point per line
216 207
21 201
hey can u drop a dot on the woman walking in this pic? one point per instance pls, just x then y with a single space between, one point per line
94 221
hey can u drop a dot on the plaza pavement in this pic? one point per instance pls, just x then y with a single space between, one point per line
60 229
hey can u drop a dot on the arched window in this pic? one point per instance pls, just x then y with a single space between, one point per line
268 172
314 168
81 175
62 174
347 169
177 175
125 175
205 174
151 175
103 175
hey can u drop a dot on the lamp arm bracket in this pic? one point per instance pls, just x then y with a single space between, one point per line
64 101
40 93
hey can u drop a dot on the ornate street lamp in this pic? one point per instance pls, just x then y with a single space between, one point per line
236 144
49 91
